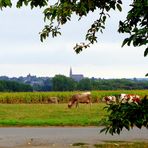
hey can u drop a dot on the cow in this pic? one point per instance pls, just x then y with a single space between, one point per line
80 98
53 100
123 98
109 99
50 100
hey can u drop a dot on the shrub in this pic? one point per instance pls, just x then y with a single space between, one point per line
126 115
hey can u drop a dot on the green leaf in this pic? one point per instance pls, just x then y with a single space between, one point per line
104 129
146 52
125 41
119 7
104 18
119 1
118 131
5 3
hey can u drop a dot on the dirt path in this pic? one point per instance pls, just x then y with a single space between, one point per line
59 137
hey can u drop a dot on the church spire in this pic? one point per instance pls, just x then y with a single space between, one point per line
70 74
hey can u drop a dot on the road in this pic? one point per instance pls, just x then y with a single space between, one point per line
45 137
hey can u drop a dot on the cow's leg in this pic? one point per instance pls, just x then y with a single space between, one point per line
77 104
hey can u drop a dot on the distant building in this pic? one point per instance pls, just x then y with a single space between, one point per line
76 77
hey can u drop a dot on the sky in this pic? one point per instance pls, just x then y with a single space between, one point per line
22 52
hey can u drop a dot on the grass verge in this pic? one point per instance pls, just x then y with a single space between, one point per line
122 144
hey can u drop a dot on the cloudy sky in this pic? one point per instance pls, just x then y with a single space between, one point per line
21 51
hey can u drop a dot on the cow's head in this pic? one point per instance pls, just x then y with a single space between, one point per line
69 104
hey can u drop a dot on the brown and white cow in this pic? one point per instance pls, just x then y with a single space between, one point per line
109 99
122 98
129 98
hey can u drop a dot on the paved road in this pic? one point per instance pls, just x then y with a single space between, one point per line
62 137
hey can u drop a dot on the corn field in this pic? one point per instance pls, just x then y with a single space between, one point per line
42 97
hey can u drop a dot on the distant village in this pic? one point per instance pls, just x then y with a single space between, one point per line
34 80
45 83
40 83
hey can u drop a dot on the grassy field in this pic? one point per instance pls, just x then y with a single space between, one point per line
51 115
30 109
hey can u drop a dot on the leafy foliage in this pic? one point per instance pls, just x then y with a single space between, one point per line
136 24
61 12
126 115
33 3
5 3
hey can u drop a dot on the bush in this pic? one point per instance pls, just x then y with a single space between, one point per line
126 115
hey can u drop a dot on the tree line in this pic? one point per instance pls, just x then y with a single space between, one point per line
13 86
63 83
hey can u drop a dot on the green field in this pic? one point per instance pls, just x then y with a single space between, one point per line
29 109
51 115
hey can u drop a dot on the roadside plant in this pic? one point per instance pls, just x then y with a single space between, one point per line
125 114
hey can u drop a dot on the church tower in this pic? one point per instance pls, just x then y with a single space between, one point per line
70 73
76 77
